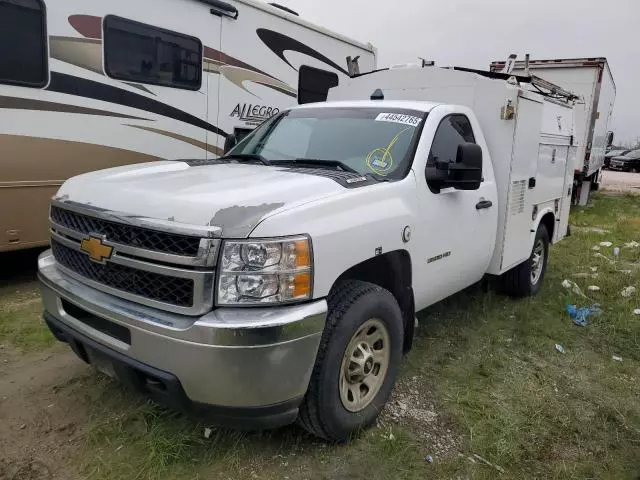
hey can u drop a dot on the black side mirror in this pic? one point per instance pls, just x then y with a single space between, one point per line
230 142
464 174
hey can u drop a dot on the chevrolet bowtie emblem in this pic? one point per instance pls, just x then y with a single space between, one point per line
97 250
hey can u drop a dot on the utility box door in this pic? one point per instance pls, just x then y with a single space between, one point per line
524 163
562 222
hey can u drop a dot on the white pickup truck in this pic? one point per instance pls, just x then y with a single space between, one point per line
281 282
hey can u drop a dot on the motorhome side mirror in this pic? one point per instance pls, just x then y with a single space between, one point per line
464 174
230 142
609 139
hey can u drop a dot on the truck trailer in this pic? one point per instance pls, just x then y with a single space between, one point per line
280 282
591 80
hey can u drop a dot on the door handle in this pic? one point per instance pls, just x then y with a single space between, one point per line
484 204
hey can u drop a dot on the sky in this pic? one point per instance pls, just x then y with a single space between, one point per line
472 33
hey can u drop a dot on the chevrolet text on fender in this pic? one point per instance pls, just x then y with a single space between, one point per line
279 283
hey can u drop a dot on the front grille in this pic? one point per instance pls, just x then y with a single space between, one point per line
162 288
127 234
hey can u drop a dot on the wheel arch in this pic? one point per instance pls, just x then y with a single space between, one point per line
547 218
393 272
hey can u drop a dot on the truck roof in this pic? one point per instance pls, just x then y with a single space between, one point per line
400 104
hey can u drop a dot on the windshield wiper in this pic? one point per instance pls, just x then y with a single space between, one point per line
316 162
246 156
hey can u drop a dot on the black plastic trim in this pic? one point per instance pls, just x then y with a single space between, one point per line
105 326
165 388
222 8
286 9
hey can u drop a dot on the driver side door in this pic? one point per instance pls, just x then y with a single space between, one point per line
457 230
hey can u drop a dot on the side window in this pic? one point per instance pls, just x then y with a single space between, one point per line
23 55
136 52
452 131
314 84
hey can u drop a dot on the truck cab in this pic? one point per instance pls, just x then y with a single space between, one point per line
280 282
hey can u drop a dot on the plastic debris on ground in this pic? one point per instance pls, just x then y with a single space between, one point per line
573 286
579 315
616 252
559 348
616 358
599 255
585 275
593 269
595 247
636 311
207 432
593 288
628 291
605 244
487 462
633 244
429 458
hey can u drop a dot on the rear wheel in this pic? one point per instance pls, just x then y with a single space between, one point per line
526 279
357 361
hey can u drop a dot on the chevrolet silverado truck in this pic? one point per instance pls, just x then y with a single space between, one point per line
280 283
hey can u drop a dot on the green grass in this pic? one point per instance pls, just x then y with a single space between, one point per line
21 322
486 362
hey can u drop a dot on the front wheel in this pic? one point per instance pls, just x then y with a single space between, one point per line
526 279
357 362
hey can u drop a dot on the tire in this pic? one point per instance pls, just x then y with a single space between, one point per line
352 303
520 281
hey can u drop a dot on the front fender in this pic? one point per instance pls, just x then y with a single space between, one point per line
348 229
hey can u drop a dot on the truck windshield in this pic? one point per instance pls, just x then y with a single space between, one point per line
364 140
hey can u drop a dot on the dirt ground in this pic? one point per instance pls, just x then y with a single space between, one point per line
483 392
621 181
41 420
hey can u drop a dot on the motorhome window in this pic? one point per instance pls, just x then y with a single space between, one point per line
23 56
314 84
136 52
452 131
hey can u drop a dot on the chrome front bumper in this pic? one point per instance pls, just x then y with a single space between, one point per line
230 357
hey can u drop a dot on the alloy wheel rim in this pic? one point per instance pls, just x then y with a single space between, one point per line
364 365
537 261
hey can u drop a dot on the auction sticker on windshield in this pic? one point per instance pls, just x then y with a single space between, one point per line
399 118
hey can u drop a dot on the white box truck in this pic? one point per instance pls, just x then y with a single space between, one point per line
591 80
92 84
281 281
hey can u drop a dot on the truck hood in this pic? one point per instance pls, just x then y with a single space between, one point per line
233 197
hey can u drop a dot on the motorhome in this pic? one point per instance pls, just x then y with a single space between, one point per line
89 84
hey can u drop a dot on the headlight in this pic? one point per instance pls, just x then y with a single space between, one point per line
253 272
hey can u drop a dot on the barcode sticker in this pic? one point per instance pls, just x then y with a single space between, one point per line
399 118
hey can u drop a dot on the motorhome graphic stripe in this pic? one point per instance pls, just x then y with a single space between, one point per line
192 141
279 43
82 87
17 103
